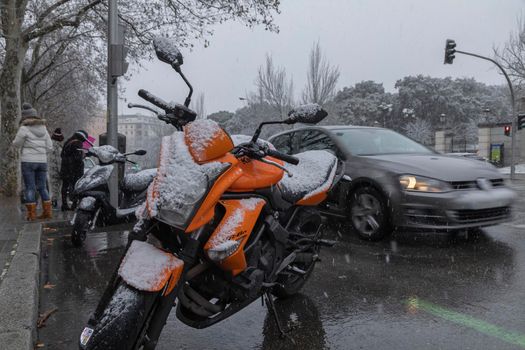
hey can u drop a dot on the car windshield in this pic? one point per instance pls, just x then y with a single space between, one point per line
369 141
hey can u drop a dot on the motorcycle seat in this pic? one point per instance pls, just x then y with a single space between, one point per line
139 181
314 174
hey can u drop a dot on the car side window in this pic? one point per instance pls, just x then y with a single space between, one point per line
283 143
315 140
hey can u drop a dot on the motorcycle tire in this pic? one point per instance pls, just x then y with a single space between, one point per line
124 321
307 222
81 227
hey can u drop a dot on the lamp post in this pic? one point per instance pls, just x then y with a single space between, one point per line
450 50
386 109
443 120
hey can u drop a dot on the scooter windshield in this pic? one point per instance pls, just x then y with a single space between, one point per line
95 177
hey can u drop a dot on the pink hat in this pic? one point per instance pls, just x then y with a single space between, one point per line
88 145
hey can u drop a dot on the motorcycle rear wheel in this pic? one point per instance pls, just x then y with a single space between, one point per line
307 222
124 321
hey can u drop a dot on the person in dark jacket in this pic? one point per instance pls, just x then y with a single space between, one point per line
72 166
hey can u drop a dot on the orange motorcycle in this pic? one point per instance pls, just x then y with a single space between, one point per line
222 225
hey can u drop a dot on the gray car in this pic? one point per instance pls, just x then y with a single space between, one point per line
392 181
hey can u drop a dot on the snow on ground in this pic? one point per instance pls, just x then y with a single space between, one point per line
520 169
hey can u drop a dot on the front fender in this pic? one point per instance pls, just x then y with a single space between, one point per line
148 268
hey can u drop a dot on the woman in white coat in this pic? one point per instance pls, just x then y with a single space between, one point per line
34 142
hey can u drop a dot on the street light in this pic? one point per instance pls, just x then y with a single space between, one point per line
386 108
450 50
443 119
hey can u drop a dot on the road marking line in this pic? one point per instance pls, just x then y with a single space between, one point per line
467 321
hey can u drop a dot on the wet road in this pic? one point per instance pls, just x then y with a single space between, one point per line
426 292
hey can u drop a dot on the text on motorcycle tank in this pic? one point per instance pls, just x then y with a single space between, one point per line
206 140
226 244
148 268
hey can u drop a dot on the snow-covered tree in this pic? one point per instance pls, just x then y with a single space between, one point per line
23 22
198 106
512 54
321 78
274 87
419 130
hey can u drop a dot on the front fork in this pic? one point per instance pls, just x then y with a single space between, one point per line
160 316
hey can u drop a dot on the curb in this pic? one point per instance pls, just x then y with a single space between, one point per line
19 292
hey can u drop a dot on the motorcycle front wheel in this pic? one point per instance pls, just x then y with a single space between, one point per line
83 220
123 323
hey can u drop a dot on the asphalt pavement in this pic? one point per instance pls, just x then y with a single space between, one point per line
415 291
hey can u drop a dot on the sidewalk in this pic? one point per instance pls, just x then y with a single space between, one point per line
19 275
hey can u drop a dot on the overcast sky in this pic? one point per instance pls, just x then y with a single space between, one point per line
380 40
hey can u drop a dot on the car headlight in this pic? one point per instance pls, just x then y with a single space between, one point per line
423 184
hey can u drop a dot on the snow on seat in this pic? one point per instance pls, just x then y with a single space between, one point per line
314 174
139 181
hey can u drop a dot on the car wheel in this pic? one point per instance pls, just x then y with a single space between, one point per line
368 214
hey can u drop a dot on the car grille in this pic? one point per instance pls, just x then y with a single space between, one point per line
480 215
472 185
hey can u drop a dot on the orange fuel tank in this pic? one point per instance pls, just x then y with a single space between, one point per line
256 175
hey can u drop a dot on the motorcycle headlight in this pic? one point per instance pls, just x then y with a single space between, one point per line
423 184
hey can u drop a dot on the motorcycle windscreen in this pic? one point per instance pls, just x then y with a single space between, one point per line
147 268
95 177
181 183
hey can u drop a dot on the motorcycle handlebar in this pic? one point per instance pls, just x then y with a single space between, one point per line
155 100
283 156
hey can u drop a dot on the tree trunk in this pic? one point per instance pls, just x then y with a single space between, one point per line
10 81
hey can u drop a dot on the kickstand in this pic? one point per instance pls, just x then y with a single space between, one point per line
273 311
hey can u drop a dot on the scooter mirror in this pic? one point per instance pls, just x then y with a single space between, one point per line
307 114
140 152
167 51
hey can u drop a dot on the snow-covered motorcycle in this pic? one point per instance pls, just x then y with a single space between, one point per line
93 193
222 225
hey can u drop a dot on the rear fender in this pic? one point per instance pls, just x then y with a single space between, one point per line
148 268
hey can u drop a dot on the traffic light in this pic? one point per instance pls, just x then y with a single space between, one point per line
506 129
521 121
450 50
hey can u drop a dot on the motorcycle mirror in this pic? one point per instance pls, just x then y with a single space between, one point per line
167 51
140 152
308 114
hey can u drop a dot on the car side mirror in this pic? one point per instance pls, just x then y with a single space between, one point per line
140 152
308 114
167 51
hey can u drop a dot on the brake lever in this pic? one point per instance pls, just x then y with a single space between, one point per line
288 172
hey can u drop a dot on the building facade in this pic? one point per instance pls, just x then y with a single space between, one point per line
143 132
